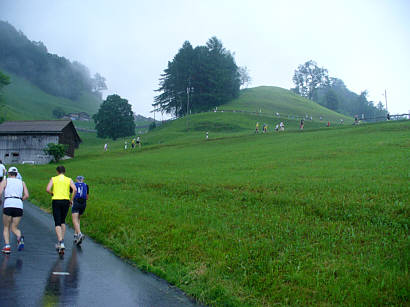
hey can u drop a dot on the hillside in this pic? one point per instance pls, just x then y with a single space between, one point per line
271 99
25 101
268 100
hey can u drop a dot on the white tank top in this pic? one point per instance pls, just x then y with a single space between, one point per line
13 193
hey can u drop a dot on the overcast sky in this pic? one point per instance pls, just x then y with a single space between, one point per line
365 43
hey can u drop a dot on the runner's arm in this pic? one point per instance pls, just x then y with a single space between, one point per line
2 186
49 187
25 192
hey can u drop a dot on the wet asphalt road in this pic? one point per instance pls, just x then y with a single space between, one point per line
86 276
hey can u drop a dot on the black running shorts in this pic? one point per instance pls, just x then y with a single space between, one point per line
60 210
13 212
79 206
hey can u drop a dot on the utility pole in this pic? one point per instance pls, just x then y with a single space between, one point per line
385 98
187 107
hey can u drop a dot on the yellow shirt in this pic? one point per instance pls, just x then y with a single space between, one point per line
61 187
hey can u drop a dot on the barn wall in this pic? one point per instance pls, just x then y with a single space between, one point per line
15 149
68 137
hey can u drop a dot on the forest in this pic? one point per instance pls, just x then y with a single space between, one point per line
53 74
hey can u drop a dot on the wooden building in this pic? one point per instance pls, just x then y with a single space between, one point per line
24 141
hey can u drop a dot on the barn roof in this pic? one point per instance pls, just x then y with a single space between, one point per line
36 127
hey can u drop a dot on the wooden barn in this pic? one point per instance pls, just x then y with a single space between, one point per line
24 141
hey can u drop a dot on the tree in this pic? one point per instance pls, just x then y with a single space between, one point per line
309 77
58 112
332 101
98 83
198 79
245 78
114 118
56 150
4 80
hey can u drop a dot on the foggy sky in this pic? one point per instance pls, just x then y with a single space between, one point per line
365 43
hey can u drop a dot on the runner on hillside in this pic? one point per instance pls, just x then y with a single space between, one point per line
15 191
302 124
59 188
78 208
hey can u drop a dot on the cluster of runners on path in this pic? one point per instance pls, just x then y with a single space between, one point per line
13 191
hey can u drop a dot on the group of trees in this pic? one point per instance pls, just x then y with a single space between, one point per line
314 83
198 79
53 74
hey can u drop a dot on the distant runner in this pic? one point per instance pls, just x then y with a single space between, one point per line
59 188
139 142
80 202
302 124
15 191
257 128
105 147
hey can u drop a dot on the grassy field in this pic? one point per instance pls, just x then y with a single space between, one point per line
24 101
317 217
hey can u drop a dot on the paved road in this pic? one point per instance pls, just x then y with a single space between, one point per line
87 276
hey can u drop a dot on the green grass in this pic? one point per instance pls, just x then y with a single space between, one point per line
318 217
24 101
271 99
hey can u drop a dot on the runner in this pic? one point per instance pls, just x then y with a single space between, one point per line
139 142
80 202
15 191
105 147
302 124
59 188
257 127
133 143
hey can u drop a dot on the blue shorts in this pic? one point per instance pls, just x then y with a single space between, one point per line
79 206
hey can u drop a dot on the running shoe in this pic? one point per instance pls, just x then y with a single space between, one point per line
6 250
60 245
81 237
20 245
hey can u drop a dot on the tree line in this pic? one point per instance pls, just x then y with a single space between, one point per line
53 74
199 79
314 83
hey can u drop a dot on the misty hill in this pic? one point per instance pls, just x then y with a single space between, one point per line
23 100
53 74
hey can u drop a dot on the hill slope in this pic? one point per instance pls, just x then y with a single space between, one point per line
266 99
271 99
25 101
